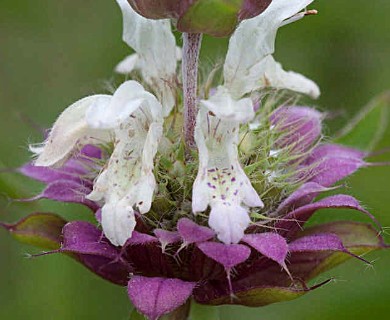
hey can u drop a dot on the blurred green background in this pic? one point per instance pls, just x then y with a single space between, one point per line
54 52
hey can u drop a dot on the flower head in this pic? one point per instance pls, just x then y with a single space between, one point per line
216 17
222 223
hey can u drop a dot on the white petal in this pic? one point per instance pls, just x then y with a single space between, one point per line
128 64
251 44
125 101
71 131
276 77
221 182
229 222
225 107
118 222
155 45
128 182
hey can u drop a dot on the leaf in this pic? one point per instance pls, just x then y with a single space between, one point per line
39 229
260 296
357 238
367 128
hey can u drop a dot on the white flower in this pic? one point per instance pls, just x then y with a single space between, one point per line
249 63
133 118
221 182
128 181
156 53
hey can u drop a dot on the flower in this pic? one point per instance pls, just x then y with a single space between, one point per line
218 17
222 223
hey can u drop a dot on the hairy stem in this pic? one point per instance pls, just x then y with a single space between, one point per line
191 48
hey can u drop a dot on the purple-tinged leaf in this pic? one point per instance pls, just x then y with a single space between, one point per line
191 232
317 242
39 229
294 221
269 244
84 242
352 234
155 297
166 237
304 195
357 238
66 191
320 242
251 296
84 238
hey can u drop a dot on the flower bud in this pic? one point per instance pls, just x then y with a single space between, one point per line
214 17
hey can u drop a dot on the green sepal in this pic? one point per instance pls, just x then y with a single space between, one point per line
367 128
42 230
214 17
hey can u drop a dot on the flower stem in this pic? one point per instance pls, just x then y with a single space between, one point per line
191 48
